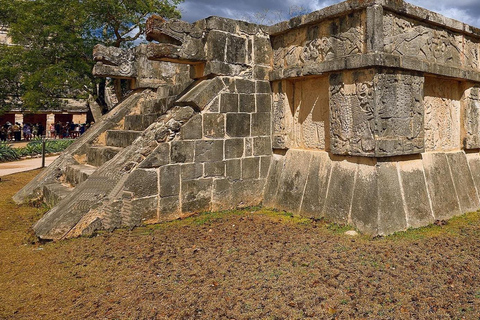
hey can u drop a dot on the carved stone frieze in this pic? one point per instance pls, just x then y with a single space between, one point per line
376 113
407 37
325 41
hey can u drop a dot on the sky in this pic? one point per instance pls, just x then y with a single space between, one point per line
272 11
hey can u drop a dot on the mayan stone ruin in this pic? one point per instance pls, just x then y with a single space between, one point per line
366 113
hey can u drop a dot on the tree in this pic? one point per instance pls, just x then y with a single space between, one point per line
118 23
54 39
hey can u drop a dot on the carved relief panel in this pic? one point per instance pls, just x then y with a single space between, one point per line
471 118
442 114
352 114
324 41
408 37
301 114
376 113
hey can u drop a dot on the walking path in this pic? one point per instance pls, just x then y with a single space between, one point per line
7 168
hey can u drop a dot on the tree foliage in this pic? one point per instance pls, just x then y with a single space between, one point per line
52 55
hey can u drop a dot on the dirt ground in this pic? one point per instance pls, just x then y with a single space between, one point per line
252 264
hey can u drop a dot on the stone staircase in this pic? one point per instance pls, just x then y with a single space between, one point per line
108 145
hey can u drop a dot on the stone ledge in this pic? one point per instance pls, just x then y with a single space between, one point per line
369 60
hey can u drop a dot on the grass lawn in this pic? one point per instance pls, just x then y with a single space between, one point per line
250 264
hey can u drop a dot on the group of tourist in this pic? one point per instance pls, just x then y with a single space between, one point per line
67 130
17 132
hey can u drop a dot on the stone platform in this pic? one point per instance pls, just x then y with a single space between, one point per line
365 112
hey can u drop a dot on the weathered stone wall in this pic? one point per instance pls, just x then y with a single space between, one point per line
218 160
378 197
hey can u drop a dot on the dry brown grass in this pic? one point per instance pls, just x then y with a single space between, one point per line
253 264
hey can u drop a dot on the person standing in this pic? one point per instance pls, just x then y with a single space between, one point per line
52 130
17 131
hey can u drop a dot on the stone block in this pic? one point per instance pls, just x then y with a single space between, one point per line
220 23
273 181
364 209
53 193
474 165
440 186
247 103
342 182
233 169
229 102
263 51
265 166
261 124
264 102
222 195
214 125
316 186
216 45
293 180
168 208
238 124
202 94
142 183
246 193
159 157
196 195
145 209
262 146
181 151
208 150
245 86
250 168
76 174
192 129
463 181
97 156
417 201
236 50
391 210
233 148
214 169
121 138
169 180
191 171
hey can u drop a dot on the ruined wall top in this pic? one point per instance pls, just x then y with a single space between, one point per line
397 6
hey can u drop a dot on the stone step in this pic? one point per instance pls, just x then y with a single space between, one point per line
159 106
53 193
121 138
98 155
140 122
76 174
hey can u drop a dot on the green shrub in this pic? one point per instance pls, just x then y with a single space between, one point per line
7 153
34 147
